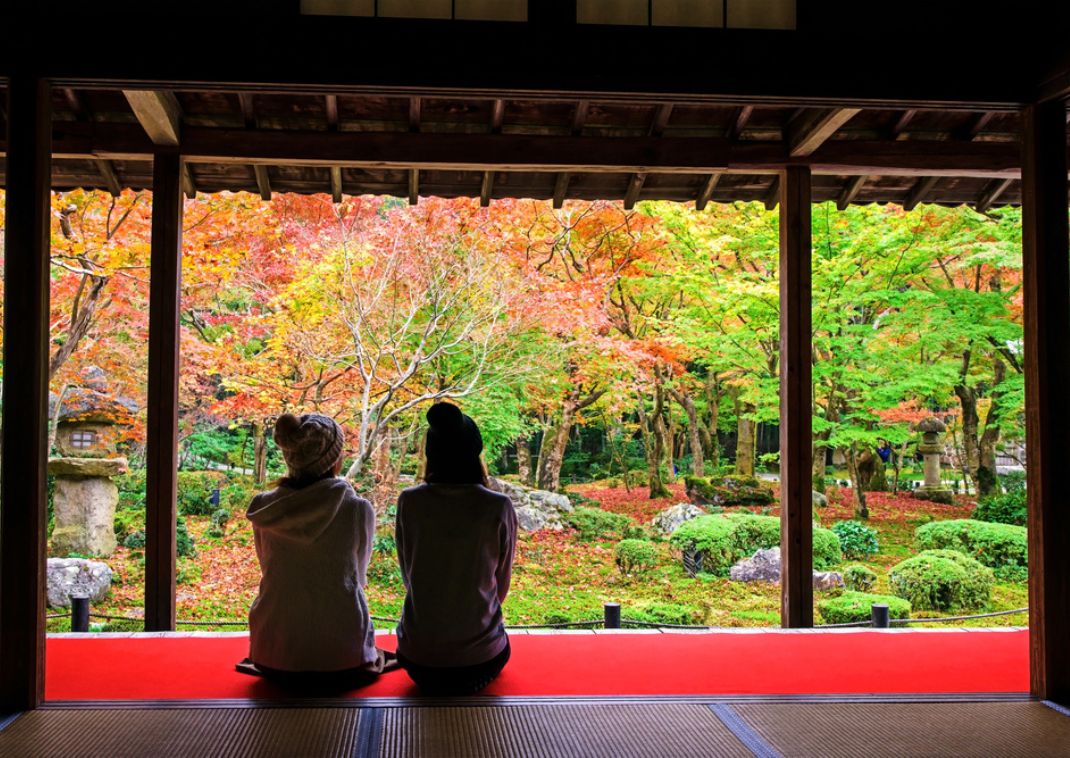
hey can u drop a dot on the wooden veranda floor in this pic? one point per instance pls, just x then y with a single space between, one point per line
795 726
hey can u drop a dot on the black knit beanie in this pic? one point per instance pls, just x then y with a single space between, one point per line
454 445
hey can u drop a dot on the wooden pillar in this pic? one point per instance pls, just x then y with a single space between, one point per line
1046 296
23 520
162 430
796 438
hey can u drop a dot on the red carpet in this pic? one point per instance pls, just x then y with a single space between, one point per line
586 664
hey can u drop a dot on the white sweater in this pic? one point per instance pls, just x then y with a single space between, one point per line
313 545
455 547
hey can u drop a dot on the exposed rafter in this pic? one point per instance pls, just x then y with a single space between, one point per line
414 186
330 107
104 166
189 188
920 191
771 198
159 114
992 193
497 116
850 191
579 117
658 123
739 122
336 184
561 189
707 192
635 186
414 114
248 109
899 128
486 189
107 173
263 181
975 125
812 128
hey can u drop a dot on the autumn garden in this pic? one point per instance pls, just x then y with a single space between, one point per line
625 361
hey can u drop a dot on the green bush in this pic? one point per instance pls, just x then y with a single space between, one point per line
851 607
135 540
723 540
127 521
237 493
1001 547
184 540
195 491
728 490
634 556
942 580
857 540
593 524
859 578
1007 508
664 613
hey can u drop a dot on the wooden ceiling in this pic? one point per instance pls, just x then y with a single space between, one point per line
531 147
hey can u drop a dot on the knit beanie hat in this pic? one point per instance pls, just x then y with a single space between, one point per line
311 444
452 437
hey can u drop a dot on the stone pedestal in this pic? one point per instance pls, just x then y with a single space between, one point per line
932 447
83 504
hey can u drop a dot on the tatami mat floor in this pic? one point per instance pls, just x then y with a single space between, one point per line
662 728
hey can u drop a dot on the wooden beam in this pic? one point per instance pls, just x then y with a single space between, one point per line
975 125
263 181
248 109
660 122
850 192
414 114
107 173
188 185
707 192
899 128
796 403
739 122
161 447
158 113
920 191
772 195
414 186
561 189
74 102
486 189
1046 316
992 193
497 116
635 186
330 105
336 184
813 128
579 117
23 468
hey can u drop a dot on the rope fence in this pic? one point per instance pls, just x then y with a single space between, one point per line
612 619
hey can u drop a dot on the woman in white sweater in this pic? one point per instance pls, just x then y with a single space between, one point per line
455 540
313 536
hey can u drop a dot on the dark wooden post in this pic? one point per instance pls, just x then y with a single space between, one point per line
796 438
1046 295
23 521
162 432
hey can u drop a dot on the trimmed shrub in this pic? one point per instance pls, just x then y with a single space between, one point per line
859 578
634 556
665 613
851 607
184 540
723 540
127 521
593 523
712 536
728 490
857 540
135 540
1008 508
195 491
942 580
1001 547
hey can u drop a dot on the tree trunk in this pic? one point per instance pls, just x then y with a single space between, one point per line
259 453
710 440
745 440
552 449
653 445
861 511
523 460
970 423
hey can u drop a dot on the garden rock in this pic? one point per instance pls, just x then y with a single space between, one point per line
670 519
67 576
536 509
819 500
764 566
728 490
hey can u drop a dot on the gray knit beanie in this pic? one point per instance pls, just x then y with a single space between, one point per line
311 444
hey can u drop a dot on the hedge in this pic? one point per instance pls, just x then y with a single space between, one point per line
942 580
1001 547
859 578
633 556
856 606
725 539
1006 508
594 524
728 490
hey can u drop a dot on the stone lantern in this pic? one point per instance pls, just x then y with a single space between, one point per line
932 447
89 425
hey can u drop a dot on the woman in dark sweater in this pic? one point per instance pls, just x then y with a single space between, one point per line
455 540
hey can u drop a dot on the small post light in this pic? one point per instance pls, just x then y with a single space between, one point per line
880 616
80 613
611 614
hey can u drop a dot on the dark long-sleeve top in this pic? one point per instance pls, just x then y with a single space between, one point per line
455 548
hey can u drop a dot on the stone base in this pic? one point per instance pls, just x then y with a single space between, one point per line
87 467
935 495
84 516
67 576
